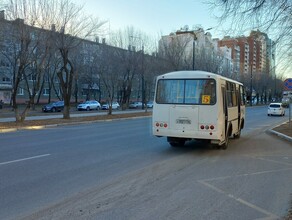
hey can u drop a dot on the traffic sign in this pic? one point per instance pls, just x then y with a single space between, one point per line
288 84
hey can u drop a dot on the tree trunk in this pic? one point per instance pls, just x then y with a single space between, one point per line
66 112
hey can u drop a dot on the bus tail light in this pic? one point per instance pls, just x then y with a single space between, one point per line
161 124
207 127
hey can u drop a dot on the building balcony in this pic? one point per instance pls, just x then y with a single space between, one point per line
5 86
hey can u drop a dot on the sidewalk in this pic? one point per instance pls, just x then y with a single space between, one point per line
72 115
283 131
39 122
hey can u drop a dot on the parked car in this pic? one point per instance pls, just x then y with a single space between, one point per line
135 105
89 105
53 107
115 105
276 109
150 104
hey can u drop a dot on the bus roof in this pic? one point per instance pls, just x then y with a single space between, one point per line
194 74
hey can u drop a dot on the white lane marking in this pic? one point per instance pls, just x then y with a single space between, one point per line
261 210
23 159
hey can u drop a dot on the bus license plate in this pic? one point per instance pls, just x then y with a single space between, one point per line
183 121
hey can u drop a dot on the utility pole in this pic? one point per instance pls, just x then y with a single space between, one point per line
143 82
250 102
194 50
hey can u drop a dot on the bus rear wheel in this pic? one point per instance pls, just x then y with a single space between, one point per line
226 143
238 134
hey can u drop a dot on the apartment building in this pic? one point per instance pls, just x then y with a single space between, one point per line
194 49
91 58
233 45
254 55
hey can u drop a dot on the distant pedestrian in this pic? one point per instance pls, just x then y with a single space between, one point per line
1 104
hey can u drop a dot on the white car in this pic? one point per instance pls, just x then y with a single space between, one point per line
115 105
135 105
89 105
276 109
150 104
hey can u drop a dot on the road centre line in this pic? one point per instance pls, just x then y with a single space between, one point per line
24 159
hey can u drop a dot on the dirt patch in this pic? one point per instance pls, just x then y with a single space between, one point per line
285 128
75 120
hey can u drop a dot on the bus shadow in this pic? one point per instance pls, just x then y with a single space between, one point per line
195 146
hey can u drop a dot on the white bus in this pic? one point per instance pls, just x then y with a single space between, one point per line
198 105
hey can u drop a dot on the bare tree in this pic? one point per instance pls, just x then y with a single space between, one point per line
50 77
109 68
26 50
72 27
134 42
174 49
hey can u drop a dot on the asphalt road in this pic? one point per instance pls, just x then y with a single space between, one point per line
118 170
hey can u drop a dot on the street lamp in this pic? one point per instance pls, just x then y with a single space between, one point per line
194 50
251 85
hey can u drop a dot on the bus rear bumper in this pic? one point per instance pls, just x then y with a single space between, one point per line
214 136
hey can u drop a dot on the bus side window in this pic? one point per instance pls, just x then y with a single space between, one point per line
209 91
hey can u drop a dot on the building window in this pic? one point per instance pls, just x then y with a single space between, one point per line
46 92
46 78
6 79
20 91
32 77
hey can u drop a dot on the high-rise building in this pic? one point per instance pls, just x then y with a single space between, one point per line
253 55
195 49
232 43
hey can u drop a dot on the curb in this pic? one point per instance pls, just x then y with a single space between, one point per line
283 136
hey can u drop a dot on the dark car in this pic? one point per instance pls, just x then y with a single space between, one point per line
54 107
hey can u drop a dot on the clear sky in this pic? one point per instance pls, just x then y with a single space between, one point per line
154 17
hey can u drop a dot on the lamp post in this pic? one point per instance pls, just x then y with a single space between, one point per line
194 50
250 102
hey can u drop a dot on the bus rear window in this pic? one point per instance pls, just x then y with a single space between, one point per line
186 91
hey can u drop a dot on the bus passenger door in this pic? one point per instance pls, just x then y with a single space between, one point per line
238 108
225 108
